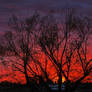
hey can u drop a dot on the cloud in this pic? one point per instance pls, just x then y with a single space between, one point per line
25 7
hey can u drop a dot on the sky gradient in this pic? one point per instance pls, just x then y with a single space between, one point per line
26 7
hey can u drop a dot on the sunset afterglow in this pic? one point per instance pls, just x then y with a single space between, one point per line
45 45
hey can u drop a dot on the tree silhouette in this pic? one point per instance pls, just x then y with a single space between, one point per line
66 47
19 46
63 45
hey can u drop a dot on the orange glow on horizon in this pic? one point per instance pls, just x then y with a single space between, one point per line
63 79
50 69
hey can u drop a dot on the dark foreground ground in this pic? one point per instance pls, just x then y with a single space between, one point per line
84 88
9 87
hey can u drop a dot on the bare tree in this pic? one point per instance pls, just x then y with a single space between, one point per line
63 47
19 43
23 55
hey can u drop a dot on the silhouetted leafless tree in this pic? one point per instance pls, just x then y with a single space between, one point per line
66 46
19 46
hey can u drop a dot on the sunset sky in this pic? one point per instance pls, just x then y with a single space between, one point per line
24 8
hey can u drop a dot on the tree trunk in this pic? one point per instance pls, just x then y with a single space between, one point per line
60 80
26 75
25 71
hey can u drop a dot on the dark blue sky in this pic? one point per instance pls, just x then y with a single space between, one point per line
26 7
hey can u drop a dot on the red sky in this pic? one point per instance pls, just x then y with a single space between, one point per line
20 78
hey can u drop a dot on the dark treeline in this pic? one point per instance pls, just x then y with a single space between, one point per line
15 87
44 49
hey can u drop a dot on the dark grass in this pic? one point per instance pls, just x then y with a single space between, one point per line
12 87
